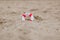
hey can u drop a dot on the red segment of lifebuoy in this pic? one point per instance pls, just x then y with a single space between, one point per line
30 15
24 15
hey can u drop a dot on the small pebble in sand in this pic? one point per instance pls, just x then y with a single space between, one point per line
57 29
8 7
2 21
37 18
44 11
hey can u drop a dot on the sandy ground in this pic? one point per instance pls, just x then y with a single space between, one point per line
45 27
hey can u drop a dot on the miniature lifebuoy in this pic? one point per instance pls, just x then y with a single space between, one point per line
26 14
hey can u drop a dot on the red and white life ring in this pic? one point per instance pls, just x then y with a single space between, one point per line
24 15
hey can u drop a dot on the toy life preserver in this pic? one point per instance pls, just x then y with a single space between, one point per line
25 15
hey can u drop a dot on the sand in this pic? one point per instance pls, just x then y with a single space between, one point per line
46 25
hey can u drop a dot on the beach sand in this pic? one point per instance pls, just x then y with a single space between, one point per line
46 25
